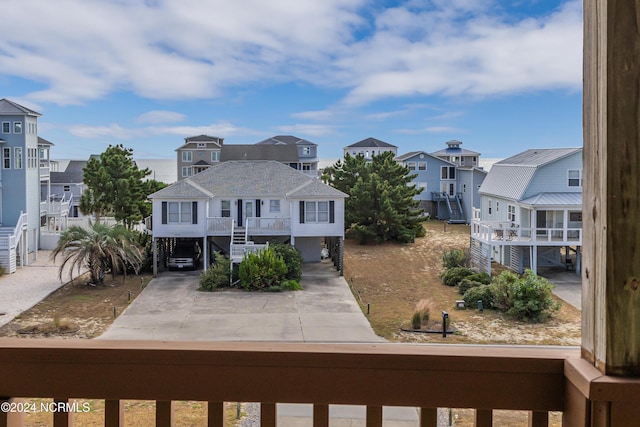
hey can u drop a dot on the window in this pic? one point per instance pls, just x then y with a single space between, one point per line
497 206
274 206
6 127
17 127
490 203
448 172
422 166
306 151
511 215
187 171
32 158
411 166
575 216
215 156
187 156
179 212
316 212
67 188
44 154
226 209
422 185
17 158
6 158
575 178
202 145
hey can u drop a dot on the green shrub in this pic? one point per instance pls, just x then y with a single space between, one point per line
2 271
482 293
454 258
532 298
292 259
217 275
291 285
503 288
262 270
453 276
482 277
467 283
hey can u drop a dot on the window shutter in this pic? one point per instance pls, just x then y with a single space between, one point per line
194 212
258 208
239 212
164 212
332 214
301 212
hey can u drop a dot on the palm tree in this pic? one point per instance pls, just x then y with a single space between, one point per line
98 248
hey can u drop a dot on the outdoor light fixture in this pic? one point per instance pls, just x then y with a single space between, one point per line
445 317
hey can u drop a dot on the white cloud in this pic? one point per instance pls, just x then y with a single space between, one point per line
116 131
431 129
160 116
191 49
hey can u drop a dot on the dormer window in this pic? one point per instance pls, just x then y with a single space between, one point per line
202 145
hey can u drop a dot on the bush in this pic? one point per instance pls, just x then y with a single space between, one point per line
466 284
482 293
531 298
292 259
217 275
453 276
421 313
262 270
454 258
503 289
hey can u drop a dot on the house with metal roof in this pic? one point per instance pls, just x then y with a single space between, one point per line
369 147
530 211
460 156
449 190
240 206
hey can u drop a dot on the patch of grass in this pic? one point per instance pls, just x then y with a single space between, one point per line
393 277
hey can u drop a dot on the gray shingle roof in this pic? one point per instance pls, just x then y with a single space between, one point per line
285 139
371 142
73 174
218 142
250 179
415 153
280 153
42 141
11 108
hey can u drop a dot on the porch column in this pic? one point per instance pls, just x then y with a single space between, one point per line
611 258
154 243
565 225
205 252
611 222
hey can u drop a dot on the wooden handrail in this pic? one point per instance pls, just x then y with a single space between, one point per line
483 377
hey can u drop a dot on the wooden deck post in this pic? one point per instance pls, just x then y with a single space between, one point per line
611 221
611 273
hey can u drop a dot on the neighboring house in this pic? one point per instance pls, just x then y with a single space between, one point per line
25 169
307 152
370 147
239 206
67 185
449 191
460 156
197 154
531 209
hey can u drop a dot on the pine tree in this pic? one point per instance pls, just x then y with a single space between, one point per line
381 203
115 186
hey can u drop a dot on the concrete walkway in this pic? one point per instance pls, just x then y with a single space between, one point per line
29 285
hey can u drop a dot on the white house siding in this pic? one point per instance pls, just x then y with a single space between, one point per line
215 206
181 229
335 229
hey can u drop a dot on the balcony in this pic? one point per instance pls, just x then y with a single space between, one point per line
507 233
538 380
256 226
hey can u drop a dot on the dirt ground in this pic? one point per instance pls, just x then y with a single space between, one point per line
77 310
391 278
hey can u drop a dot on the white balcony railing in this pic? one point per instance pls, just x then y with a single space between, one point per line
501 232
268 226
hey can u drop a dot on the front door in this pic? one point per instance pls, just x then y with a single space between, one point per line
248 211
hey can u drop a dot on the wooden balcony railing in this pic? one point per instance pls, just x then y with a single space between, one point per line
374 375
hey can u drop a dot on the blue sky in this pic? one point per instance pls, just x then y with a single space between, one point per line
501 76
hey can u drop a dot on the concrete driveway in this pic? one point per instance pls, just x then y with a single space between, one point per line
172 308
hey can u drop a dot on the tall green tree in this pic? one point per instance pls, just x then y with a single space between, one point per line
98 248
115 186
381 203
